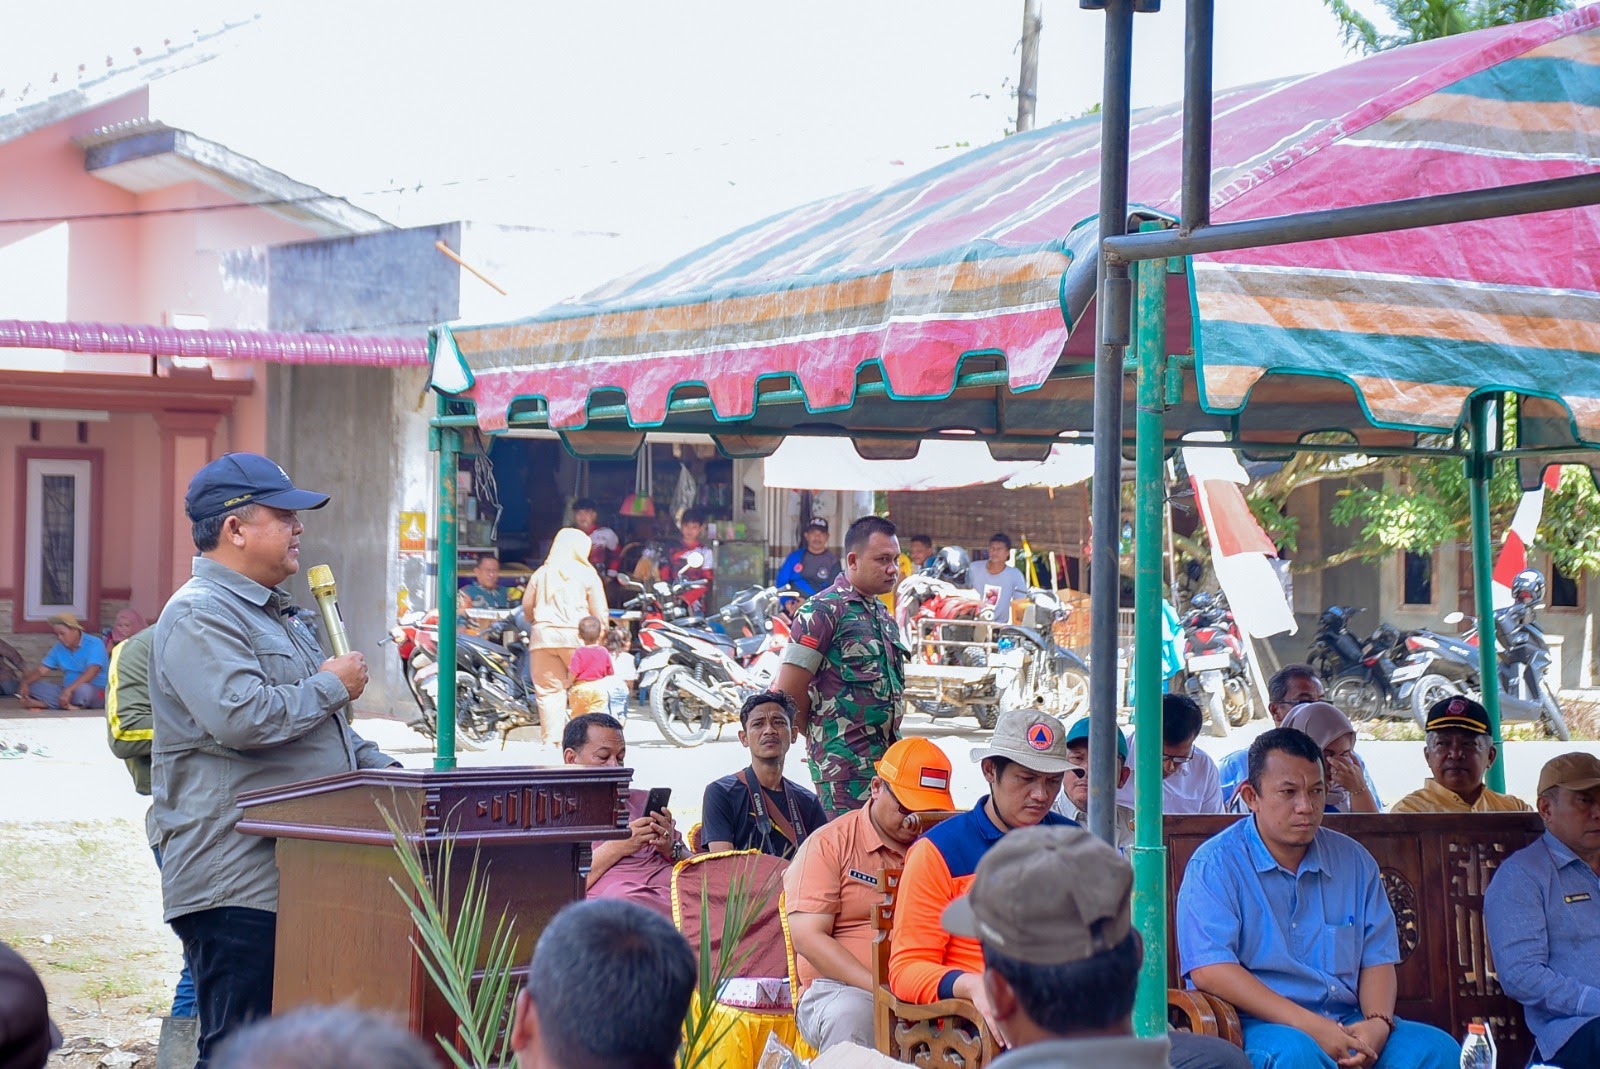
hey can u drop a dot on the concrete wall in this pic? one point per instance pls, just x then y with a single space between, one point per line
374 282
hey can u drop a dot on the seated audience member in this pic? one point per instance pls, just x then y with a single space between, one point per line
757 808
831 891
638 868
1458 751
325 1037
608 988
1291 685
1289 922
1542 913
1050 908
80 658
1189 779
1349 787
590 670
485 591
1073 802
1023 765
27 1035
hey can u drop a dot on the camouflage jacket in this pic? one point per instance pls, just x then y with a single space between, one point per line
851 646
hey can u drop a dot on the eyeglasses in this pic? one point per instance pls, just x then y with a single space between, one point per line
1168 761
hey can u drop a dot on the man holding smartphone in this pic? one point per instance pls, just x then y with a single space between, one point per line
638 868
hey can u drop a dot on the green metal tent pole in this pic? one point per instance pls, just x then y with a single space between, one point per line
448 444
1149 855
1479 469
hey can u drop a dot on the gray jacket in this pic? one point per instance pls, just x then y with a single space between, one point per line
1101 1052
237 704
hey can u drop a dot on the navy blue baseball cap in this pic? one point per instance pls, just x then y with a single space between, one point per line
238 479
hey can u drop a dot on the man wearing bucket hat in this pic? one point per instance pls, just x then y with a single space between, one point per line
1049 906
832 887
1458 751
1542 912
1023 766
241 698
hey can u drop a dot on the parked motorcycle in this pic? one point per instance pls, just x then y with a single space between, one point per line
695 679
1214 671
1522 652
493 694
1365 678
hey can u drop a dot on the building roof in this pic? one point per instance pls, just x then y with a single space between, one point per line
37 103
145 155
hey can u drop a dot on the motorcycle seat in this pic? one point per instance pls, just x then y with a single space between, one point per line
749 647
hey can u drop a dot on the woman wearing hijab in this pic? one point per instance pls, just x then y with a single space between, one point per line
1349 790
559 595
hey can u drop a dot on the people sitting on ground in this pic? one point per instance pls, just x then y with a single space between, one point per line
325 1037
757 808
13 666
997 583
1292 685
812 567
1349 787
638 868
1023 765
608 988
678 565
27 1034
590 670
1542 913
625 672
485 591
1289 922
1050 908
831 891
1459 750
82 661
1190 782
1073 801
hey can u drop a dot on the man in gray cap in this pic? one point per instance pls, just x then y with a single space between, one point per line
241 698
1050 908
1023 764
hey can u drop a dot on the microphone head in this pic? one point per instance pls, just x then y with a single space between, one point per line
321 579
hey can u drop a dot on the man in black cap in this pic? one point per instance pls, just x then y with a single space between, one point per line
1050 908
241 698
812 566
1459 751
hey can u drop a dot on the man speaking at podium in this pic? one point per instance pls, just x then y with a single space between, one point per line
241 698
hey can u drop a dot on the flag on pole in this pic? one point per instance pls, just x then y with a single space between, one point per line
1241 553
1524 525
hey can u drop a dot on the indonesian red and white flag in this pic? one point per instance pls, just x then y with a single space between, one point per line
1241 553
1524 525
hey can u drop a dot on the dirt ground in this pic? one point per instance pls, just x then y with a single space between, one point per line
83 905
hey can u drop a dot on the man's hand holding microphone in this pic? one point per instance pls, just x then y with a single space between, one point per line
350 667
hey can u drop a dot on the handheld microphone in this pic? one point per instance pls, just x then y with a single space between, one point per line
321 579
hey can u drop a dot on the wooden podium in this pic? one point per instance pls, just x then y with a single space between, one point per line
344 932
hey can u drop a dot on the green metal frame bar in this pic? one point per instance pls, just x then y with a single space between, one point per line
449 446
1149 855
1480 466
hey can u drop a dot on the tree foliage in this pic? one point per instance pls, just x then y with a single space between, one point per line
1426 20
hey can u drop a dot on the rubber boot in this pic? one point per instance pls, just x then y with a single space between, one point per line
179 1044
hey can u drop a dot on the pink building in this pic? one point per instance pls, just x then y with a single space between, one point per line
109 215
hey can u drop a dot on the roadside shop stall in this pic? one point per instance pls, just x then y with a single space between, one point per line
1276 294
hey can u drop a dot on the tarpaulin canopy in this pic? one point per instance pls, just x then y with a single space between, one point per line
951 293
834 464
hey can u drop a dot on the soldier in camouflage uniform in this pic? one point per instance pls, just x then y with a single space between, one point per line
845 668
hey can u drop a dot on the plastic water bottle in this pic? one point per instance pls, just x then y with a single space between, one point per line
1478 1051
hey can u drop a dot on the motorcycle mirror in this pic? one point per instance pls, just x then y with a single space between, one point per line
1455 617
694 559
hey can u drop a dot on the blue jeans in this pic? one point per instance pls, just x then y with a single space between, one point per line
183 1000
617 698
231 950
53 695
1412 1046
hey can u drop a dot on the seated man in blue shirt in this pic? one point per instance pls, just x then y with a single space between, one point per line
1542 912
1289 922
80 657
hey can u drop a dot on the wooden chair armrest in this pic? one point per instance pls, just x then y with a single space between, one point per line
901 1024
1203 1014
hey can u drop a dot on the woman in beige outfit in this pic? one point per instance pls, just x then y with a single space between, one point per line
561 593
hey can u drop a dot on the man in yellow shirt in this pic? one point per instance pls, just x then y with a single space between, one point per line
1458 751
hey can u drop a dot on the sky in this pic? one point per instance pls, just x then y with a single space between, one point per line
668 122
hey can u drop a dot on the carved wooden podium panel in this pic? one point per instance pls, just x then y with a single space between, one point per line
1435 867
344 932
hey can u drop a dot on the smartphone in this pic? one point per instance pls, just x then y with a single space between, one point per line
657 800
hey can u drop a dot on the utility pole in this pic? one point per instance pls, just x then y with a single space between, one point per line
1028 80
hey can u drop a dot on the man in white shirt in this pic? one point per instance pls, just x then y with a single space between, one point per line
997 582
1190 782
